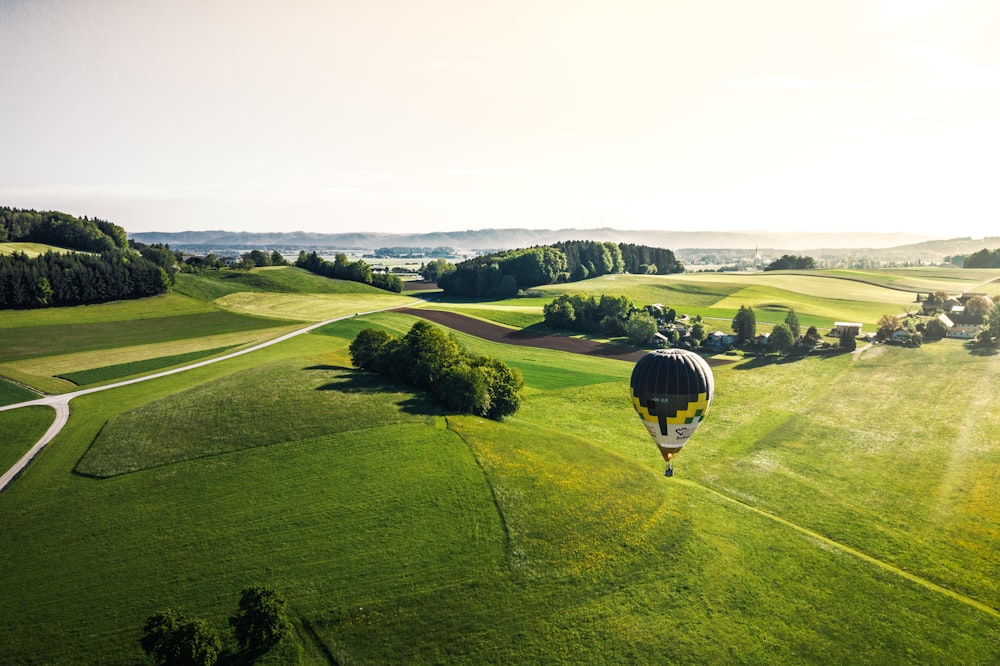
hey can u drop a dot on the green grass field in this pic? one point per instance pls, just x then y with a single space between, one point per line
400 533
11 393
30 249
108 373
22 428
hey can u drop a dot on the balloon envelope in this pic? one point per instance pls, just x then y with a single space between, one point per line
671 391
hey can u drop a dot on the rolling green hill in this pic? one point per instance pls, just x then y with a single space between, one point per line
830 510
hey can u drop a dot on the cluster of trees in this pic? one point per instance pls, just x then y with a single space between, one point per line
783 336
260 623
646 260
433 270
55 228
983 259
342 269
504 274
791 262
588 314
428 358
255 258
615 316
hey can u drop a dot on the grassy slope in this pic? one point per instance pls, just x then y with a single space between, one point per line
39 345
592 554
21 428
30 249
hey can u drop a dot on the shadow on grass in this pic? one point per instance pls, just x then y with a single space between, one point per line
420 403
977 348
763 361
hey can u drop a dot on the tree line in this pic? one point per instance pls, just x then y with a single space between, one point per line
791 262
342 269
504 274
104 267
428 358
74 278
983 259
55 228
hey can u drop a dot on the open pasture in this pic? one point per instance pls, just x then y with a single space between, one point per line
154 307
44 372
31 342
818 301
401 533
308 307
210 285
920 279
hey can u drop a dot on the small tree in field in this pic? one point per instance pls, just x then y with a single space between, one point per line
792 322
745 324
781 339
887 323
171 639
847 340
260 623
991 327
640 329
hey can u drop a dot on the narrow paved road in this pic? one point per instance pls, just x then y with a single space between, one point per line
61 402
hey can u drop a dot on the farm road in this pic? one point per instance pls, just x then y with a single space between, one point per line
61 402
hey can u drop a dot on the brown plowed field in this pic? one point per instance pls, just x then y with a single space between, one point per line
494 333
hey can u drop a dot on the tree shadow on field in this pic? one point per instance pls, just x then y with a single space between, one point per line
755 362
977 348
419 403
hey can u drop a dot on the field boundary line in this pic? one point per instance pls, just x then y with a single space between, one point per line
861 555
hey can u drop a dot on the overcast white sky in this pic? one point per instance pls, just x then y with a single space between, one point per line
431 115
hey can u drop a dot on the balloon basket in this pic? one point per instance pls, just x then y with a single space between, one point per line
669 472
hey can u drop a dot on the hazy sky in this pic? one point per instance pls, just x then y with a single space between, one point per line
423 115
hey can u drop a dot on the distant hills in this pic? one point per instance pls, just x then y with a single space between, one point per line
895 247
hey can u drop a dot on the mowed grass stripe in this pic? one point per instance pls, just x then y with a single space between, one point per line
11 393
308 307
37 341
119 370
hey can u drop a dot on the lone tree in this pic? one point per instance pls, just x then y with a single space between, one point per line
781 339
745 324
170 638
847 340
792 322
991 327
887 323
260 622
640 329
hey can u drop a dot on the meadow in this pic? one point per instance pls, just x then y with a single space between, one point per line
829 510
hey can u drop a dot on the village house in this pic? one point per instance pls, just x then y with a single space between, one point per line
839 327
720 340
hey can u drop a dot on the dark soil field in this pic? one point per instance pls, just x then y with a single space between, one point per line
494 333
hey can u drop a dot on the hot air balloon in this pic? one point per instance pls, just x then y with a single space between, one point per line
671 392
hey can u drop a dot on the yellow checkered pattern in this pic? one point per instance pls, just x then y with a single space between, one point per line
694 410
